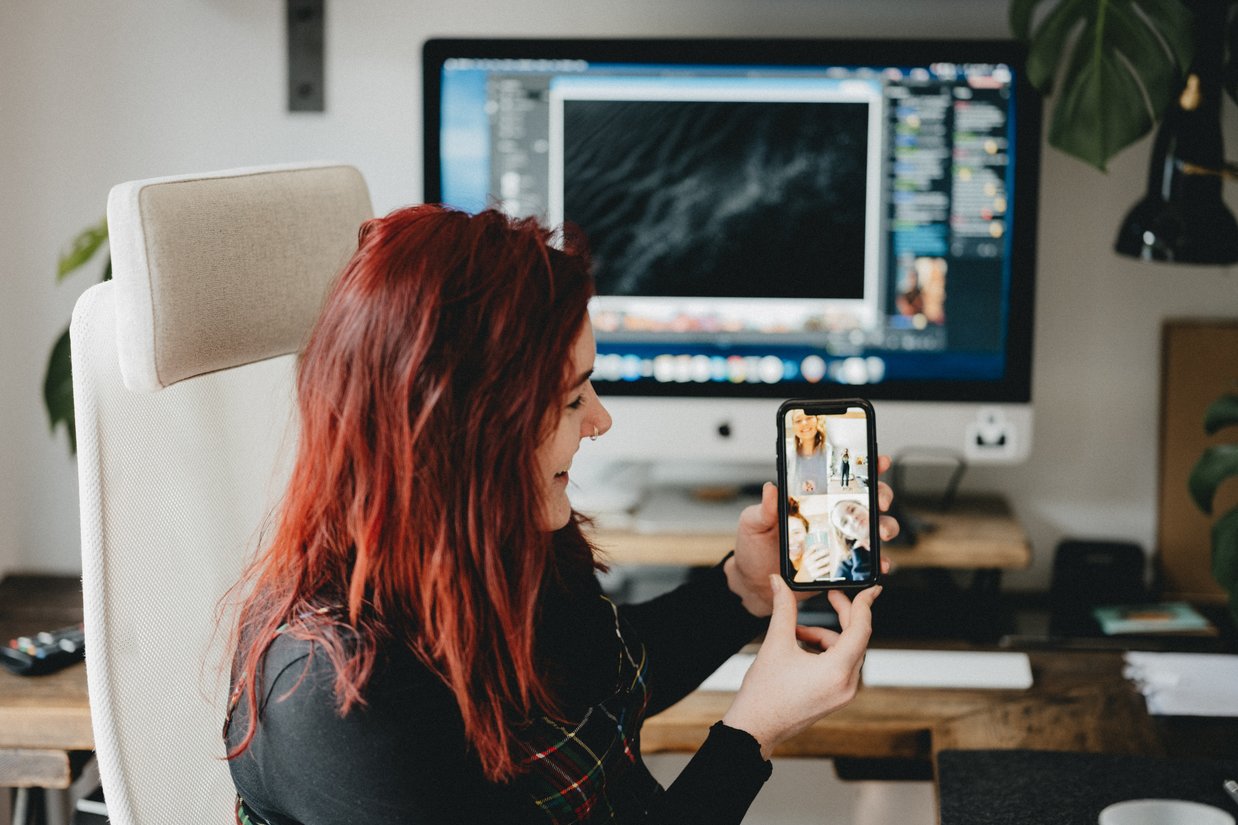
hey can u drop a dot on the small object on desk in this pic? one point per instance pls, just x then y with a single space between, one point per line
1163 812
947 669
44 652
1231 788
1177 618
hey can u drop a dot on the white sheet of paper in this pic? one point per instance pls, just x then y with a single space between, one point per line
1186 684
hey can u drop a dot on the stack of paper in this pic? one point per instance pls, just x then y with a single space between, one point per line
1186 684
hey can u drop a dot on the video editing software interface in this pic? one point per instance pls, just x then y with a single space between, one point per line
768 226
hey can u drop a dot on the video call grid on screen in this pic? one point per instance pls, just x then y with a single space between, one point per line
827 489
754 225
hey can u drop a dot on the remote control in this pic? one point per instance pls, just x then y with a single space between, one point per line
44 652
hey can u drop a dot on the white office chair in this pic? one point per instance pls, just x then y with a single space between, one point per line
183 384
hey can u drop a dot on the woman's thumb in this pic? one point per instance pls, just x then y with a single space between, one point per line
783 620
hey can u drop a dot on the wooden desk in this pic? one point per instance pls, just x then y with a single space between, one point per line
976 534
42 718
1079 702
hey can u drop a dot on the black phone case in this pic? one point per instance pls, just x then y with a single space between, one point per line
819 406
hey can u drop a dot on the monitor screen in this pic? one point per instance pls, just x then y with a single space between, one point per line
766 218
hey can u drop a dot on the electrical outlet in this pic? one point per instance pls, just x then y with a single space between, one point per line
991 436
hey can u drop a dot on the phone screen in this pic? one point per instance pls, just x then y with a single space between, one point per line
828 463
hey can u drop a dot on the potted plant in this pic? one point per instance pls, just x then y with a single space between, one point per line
58 380
1218 463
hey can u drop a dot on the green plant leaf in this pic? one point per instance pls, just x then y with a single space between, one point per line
1217 463
1140 47
1100 107
1172 21
58 389
82 249
1121 71
1225 554
1048 43
1221 413
1021 18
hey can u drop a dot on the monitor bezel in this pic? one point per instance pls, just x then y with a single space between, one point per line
1014 387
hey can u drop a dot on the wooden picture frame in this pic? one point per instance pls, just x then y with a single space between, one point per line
1199 362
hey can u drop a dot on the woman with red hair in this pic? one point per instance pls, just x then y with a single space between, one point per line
424 638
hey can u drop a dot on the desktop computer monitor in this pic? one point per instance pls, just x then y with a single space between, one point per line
769 219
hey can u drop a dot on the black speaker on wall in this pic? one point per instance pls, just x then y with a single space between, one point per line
1090 573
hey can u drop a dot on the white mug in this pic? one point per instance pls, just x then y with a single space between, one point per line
1163 812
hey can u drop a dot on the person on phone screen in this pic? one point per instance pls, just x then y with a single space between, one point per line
849 520
809 549
810 465
797 533
423 638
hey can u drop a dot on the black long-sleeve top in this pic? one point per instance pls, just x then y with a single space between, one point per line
403 757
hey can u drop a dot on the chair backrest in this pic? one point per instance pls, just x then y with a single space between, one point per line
183 386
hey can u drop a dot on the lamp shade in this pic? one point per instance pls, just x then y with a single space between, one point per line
1180 229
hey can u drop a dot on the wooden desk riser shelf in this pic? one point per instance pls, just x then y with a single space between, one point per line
978 533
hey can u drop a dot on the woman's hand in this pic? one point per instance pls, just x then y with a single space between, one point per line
756 546
816 564
788 688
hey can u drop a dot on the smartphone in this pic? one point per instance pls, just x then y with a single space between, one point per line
827 503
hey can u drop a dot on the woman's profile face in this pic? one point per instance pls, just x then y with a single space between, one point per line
580 415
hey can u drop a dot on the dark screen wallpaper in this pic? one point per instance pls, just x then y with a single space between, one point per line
734 199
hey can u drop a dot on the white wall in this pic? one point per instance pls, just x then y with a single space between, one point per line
94 93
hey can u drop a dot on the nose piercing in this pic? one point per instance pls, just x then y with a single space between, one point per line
595 435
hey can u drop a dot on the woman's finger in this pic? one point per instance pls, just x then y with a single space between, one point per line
883 463
885 496
818 637
842 606
853 641
888 527
782 622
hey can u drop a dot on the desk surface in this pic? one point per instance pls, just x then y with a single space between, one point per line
1079 702
977 533
42 718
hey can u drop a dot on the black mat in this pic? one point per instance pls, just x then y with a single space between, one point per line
1049 788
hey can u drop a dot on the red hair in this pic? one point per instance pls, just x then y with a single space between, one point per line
434 372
